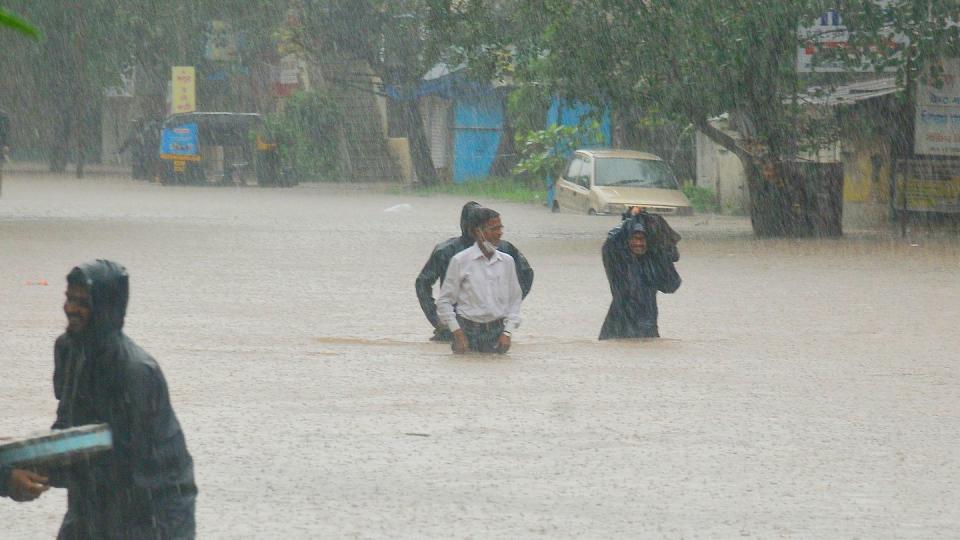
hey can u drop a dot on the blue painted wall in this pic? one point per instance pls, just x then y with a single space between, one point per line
565 113
477 128
570 114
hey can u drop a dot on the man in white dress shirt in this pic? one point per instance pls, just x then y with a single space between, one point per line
480 297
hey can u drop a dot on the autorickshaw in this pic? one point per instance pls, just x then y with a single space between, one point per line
219 148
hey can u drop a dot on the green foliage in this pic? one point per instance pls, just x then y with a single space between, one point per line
703 199
505 189
305 133
10 20
544 152
931 26
527 107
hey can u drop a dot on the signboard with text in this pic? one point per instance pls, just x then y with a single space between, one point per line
927 185
828 34
184 89
937 122
179 142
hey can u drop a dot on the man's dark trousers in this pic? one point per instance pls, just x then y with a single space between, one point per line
481 337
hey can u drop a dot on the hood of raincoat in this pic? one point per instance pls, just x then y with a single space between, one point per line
109 287
465 221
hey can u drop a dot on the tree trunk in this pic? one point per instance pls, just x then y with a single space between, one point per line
506 156
79 128
788 198
79 106
796 199
61 142
419 148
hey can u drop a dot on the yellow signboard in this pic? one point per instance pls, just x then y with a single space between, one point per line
929 195
184 86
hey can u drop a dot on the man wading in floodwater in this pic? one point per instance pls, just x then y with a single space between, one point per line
480 297
638 257
436 268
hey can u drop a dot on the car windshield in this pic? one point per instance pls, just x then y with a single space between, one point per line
634 172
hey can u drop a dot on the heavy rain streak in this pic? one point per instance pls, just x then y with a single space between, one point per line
479 269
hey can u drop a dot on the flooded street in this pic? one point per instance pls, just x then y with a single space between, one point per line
802 389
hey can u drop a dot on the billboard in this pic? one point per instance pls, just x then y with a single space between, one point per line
183 89
937 121
926 185
828 34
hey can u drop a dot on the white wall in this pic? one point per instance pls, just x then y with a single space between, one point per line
721 170
116 125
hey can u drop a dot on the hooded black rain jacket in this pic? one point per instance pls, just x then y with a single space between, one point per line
634 281
144 486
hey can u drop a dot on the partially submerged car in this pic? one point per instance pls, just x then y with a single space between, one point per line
610 181
219 148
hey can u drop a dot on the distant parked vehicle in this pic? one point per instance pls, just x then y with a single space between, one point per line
219 148
610 181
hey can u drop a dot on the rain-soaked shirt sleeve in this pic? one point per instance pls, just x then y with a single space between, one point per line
615 262
524 271
514 300
429 275
447 299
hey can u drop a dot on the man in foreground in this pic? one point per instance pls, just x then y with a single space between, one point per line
638 257
436 268
143 487
479 301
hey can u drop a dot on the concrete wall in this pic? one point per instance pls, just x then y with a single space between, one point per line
721 170
116 123
399 150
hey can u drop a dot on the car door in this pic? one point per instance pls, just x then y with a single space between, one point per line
573 189
566 188
587 198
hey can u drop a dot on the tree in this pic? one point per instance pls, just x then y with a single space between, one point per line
68 70
392 38
89 43
689 61
930 29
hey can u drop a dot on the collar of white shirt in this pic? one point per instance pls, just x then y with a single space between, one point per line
474 252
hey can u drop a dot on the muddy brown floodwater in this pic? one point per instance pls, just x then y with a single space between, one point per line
803 389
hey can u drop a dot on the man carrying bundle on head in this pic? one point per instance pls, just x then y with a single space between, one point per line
638 258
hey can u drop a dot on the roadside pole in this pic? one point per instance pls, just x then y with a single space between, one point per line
903 200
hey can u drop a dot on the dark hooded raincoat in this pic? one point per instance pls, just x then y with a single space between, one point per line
5 481
436 267
634 281
143 487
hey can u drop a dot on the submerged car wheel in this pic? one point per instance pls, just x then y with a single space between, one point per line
592 212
